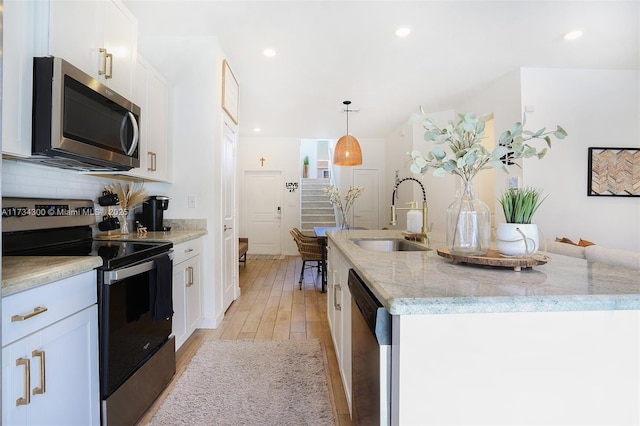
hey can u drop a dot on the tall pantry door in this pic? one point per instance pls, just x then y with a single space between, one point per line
262 203
231 287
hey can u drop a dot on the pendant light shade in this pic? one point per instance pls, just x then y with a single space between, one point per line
348 152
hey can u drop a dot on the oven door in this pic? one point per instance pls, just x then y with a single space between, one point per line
129 335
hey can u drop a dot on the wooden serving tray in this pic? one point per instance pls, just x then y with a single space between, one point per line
495 259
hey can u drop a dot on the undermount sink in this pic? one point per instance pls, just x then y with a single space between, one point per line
394 244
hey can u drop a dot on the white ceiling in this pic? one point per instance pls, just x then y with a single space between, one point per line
331 51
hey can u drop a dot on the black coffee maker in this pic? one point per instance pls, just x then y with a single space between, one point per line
153 212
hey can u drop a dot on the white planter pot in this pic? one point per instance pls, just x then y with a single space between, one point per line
517 239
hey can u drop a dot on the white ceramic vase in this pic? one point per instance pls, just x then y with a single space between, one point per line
517 239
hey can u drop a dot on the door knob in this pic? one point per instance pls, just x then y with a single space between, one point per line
227 228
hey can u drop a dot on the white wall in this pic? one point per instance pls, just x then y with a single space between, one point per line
598 109
397 145
441 191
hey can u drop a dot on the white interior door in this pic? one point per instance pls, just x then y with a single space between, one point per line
231 288
365 208
263 197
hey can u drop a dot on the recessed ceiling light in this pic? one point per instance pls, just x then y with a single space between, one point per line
573 35
257 129
269 52
403 31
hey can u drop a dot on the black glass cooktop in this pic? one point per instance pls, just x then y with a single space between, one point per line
114 253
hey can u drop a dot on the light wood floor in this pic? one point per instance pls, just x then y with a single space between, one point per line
271 307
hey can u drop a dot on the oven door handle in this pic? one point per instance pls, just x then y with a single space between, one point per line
120 274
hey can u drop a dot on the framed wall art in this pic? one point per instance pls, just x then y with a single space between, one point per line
614 172
230 92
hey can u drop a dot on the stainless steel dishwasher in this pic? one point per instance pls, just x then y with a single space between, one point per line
370 355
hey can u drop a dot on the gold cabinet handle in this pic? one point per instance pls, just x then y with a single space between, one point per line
26 399
189 250
103 52
110 57
152 161
190 275
39 390
336 305
36 311
106 55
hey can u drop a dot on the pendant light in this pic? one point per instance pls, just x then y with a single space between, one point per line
347 151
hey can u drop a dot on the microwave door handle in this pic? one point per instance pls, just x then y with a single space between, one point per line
120 274
134 140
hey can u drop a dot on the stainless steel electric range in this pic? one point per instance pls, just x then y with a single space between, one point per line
137 350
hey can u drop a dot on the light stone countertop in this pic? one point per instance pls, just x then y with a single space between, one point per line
419 282
174 236
20 273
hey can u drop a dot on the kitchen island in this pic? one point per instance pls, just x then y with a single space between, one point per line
556 344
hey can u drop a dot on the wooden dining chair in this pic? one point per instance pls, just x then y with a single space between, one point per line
310 249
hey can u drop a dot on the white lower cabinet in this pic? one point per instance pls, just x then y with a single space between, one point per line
187 289
50 354
339 313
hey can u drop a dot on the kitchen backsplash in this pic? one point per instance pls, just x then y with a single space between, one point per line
21 179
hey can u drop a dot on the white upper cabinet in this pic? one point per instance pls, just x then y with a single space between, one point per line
74 30
99 37
151 93
157 126
18 52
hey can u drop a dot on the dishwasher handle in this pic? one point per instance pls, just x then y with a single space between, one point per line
374 313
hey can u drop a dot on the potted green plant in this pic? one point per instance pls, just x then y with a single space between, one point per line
305 167
518 236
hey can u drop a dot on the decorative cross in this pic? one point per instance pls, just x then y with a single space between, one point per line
262 160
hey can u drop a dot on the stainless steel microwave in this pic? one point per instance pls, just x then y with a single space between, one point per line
79 123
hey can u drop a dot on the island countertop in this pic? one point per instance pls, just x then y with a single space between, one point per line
422 282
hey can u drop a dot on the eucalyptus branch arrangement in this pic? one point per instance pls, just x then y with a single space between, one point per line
467 155
519 204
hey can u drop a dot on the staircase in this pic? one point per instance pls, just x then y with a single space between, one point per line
315 208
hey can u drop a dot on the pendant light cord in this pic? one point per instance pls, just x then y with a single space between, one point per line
347 103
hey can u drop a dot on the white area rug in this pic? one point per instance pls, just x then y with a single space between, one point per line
251 383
